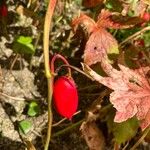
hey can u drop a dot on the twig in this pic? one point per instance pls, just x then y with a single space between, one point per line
47 27
77 69
141 139
11 97
62 120
68 128
14 61
134 35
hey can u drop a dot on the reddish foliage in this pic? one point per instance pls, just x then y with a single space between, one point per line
108 19
100 41
98 45
131 96
92 3
84 20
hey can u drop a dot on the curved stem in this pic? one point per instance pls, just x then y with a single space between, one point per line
134 35
63 59
47 26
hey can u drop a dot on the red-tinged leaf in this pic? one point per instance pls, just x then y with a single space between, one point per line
140 8
131 96
107 19
92 3
136 7
100 44
84 20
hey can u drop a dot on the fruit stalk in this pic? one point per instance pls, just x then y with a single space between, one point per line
58 56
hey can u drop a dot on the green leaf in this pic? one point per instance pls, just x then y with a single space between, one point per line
114 5
25 126
33 109
146 37
23 45
126 130
24 40
122 131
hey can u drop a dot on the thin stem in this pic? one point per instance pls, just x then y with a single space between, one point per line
58 56
62 120
14 61
47 27
134 35
141 139
68 128
11 97
77 69
50 114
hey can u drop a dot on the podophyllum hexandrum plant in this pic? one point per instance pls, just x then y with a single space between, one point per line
95 51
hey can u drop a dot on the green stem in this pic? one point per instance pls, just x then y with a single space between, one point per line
47 27
50 114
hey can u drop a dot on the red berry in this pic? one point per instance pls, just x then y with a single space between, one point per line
65 96
146 17
3 10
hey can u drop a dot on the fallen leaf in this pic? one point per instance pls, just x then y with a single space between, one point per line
92 135
131 96
99 44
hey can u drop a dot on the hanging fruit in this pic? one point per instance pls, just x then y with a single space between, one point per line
65 96
65 93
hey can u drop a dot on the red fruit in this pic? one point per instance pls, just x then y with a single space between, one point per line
146 17
65 96
140 43
3 10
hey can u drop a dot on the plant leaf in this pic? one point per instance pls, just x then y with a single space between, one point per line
92 135
33 109
23 45
131 96
100 44
25 126
107 19
85 21
126 130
